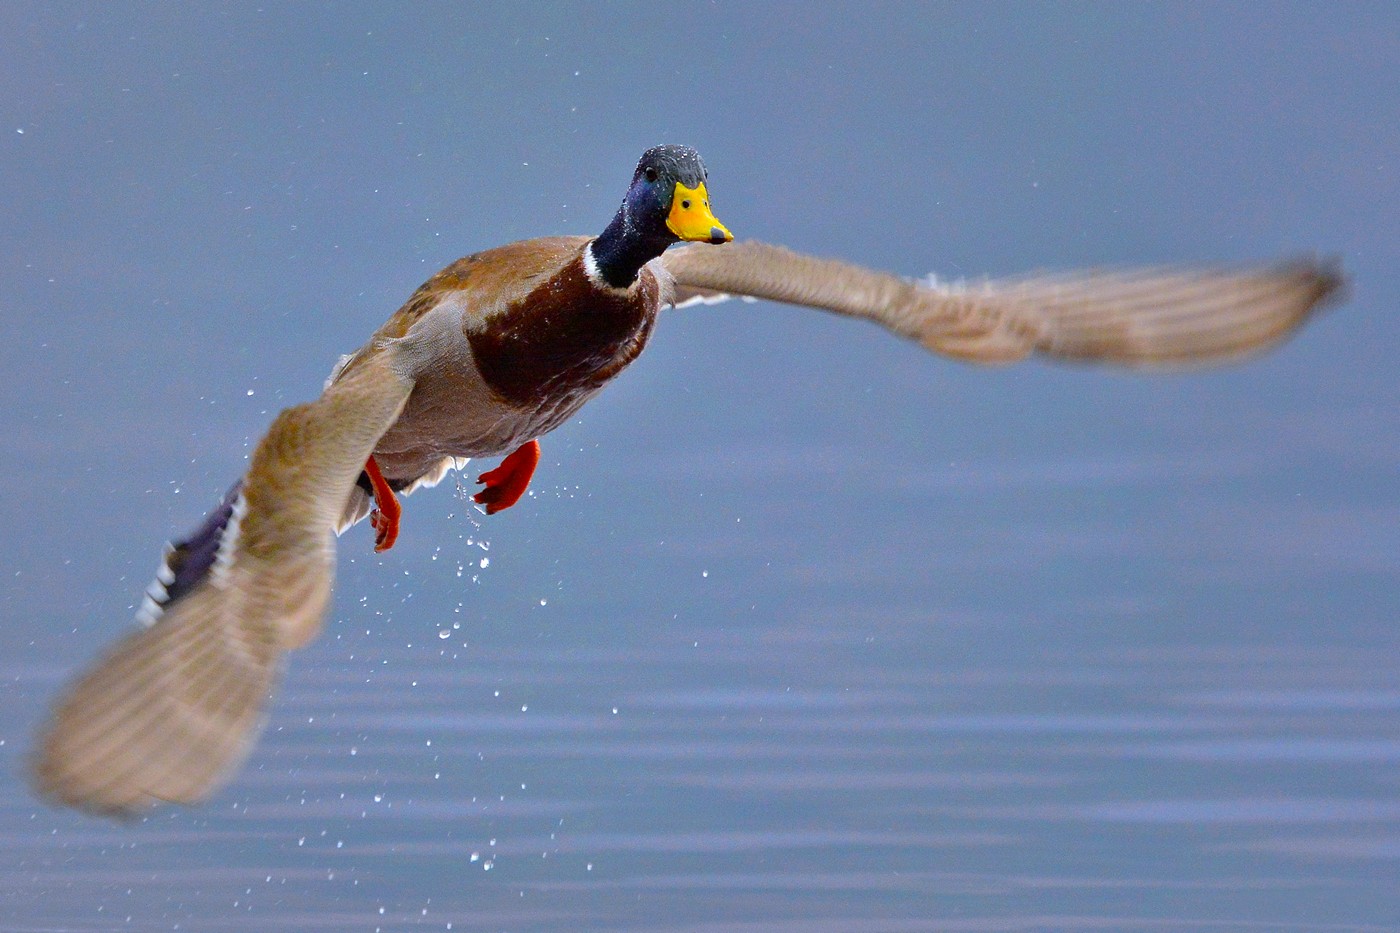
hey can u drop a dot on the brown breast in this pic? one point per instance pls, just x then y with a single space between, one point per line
566 337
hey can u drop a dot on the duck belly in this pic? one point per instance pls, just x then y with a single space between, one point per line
450 416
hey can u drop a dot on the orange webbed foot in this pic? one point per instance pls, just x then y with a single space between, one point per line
506 484
385 517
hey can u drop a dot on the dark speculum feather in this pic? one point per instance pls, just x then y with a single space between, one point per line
188 562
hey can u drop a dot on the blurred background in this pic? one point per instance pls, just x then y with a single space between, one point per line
801 628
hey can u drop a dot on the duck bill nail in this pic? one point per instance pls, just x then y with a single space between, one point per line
690 217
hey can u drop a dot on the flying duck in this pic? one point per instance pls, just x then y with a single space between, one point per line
497 350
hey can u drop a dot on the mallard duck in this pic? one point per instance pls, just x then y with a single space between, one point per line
495 351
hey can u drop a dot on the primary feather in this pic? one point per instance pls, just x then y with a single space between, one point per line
1153 317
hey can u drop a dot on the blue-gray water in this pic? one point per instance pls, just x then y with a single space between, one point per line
802 629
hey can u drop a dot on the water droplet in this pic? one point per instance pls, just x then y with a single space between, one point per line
444 633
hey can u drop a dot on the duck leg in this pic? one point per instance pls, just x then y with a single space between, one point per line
506 484
385 517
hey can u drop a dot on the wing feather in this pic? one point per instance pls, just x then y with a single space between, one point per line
174 708
1149 317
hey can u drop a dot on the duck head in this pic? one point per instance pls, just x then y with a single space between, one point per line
666 202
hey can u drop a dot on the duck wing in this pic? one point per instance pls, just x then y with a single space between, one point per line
1151 317
174 708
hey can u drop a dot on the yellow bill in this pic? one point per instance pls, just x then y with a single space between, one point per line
690 217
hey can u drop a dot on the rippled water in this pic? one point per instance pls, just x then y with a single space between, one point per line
774 689
789 777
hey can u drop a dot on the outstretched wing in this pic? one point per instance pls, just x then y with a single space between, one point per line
1155 317
173 709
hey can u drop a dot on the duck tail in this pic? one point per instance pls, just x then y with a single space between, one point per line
360 502
358 505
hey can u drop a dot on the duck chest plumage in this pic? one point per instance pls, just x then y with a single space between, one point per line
517 339
565 337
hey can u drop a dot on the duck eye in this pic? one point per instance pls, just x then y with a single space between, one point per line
686 204
650 173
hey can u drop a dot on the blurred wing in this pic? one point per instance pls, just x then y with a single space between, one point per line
1156 317
174 708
